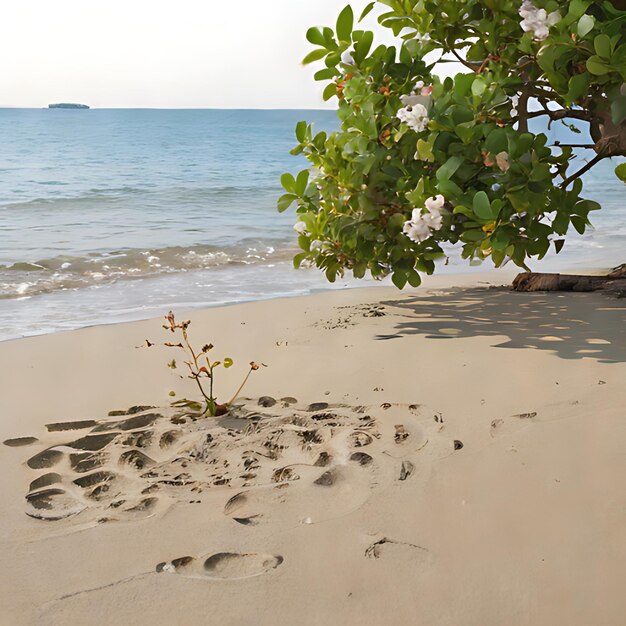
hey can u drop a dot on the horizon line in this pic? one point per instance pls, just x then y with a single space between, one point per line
144 108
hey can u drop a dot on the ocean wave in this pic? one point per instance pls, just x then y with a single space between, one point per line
25 278
97 196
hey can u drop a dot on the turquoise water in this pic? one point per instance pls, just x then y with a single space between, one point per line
111 215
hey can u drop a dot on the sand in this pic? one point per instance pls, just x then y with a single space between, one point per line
449 455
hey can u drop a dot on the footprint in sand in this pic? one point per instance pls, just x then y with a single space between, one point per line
511 424
397 552
17 442
316 497
62 426
52 504
45 480
222 565
274 462
45 458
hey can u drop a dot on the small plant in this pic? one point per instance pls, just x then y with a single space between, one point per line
201 368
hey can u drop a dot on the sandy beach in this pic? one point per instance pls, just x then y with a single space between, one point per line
451 455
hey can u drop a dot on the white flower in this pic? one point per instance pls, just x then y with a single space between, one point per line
414 116
433 220
347 58
316 244
537 20
419 232
419 84
422 225
300 227
513 112
435 204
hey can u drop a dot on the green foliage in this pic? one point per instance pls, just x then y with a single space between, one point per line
506 194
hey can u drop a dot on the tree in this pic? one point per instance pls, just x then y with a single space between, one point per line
419 162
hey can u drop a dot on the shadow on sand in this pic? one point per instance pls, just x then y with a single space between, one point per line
571 325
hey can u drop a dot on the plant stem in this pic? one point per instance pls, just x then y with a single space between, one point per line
245 380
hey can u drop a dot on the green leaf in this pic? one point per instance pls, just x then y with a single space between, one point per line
399 278
314 55
413 278
288 182
191 404
425 151
463 83
560 224
359 270
558 244
602 46
395 223
329 91
585 24
619 61
578 86
478 87
449 168
579 223
449 189
497 141
366 11
297 260
285 201
326 74
228 362
620 172
301 131
463 210
345 21
301 182
362 47
597 66
315 37
465 131
332 59
482 206
576 9
474 234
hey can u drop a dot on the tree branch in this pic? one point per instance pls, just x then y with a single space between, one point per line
563 113
460 59
522 106
558 144
596 159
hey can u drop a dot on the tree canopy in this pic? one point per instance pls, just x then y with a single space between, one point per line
419 161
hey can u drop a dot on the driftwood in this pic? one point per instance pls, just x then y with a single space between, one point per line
614 282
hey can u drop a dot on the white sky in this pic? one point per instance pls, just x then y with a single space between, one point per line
157 53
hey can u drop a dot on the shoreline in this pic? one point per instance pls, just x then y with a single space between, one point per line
465 274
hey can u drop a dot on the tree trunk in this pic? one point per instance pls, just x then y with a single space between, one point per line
614 283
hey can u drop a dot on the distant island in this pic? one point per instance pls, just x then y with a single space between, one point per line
67 105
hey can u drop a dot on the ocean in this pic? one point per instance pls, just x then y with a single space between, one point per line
111 215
